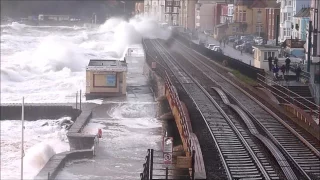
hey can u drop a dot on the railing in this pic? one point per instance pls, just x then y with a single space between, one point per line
177 102
262 81
305 75
188 143
148 172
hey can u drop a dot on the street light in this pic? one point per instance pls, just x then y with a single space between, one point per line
124 6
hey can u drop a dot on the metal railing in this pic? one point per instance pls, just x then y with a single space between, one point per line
174 96
148 172
262 81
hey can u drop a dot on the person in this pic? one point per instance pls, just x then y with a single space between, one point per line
224 42
283 69
241 49
276 60
298 71
288 61
270 63
275 71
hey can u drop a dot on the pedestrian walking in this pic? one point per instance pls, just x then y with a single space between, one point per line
283 70
298 72
224 43
270 63
275 70
220 41
288 61
241 49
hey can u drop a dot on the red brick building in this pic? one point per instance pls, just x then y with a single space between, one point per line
272 10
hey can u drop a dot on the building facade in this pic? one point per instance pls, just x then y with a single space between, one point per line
172 12
300 22
314 15
289 8
272 11
252 16
204 17
155 9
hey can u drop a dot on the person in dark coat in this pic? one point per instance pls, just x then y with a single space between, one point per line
276 60
288 61
270 63
298 72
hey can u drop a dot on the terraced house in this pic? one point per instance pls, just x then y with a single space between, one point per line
249 18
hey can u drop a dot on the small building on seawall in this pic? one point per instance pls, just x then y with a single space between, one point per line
106 78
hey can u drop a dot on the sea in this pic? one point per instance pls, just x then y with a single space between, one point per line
46 64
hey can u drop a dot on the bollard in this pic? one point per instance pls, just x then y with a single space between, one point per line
48 175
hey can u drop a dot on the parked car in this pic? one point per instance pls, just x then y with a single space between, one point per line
217 49
210 46
232 38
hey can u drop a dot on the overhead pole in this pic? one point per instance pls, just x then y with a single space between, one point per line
22 137
309 46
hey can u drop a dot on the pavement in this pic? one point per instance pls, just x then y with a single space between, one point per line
230 51
129 127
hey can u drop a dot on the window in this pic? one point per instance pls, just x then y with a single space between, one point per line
286 31
168 9
265 56
259 16
258 28
244 15
286 16
175 10
176 3
169 3
268 54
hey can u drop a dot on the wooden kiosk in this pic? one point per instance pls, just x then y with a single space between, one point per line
105 78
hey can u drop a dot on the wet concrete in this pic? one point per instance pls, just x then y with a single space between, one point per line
129 127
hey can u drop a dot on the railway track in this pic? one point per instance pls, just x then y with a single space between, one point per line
241 156
298 146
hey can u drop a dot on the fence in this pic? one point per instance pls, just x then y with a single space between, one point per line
153 170
242 67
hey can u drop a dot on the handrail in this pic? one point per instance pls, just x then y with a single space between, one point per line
185 129
288 90
294 99
285 100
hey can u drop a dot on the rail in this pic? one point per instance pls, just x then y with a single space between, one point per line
189 143
279 157
301 155
228 121
262 80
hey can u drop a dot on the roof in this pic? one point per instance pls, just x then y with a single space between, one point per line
272 4
259 4
304 12
98 62
107 65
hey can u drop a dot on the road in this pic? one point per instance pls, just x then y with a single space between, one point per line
230 51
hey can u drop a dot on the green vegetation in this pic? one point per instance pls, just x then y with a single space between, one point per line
244 78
